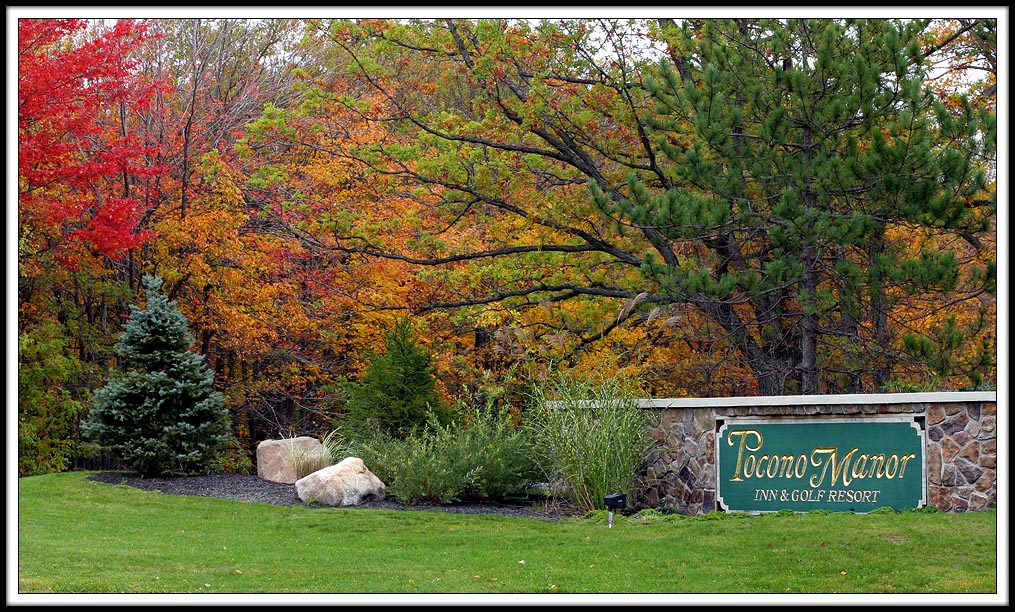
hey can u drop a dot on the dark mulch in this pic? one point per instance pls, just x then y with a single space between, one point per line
249 488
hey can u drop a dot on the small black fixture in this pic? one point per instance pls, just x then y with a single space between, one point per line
614 501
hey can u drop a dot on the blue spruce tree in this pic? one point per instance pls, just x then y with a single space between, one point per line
162 417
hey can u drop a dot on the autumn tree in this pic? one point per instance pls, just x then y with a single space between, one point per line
410 208
73 165
963 56
79 202
767 174
245 290
305 188
83 188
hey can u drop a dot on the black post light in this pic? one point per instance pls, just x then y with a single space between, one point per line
614 501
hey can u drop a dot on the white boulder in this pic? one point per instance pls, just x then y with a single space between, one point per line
347 483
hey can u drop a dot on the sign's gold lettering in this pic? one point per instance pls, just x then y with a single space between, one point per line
821 451
743 433
891 466
905 459
785 466
877 466
852 464
800 469
832 468
860 465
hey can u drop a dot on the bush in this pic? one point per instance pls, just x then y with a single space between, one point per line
232 458
481 458
161 417
589 433
47 409
398 390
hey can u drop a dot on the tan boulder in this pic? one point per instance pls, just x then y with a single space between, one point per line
277 459
347 483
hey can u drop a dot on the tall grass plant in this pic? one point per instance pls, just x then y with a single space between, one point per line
590 434
306 461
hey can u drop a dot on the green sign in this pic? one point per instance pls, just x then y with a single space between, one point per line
840 464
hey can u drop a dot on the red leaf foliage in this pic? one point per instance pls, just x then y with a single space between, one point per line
78 168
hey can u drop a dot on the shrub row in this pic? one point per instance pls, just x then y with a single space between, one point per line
482 458
588 437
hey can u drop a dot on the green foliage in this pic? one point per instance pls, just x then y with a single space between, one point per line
399 388
883 510
161 417
832 149
950 349
47 409
480 458
589 433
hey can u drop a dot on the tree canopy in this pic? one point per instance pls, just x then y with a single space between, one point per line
708 206
771 176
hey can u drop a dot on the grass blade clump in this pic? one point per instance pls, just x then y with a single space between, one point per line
591 434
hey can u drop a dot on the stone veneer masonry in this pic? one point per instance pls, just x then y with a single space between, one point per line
961 452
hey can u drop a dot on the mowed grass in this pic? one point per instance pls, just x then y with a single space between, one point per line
79 536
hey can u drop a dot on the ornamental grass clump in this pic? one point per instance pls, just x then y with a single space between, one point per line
306 461
590 434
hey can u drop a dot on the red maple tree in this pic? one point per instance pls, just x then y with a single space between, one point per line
80 173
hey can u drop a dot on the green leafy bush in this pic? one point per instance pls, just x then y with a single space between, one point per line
589 433
162 417
47 409
232 458
480 458
883 510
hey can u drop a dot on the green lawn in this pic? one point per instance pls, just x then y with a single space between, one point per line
76 536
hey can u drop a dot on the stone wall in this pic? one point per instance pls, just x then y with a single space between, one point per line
961 452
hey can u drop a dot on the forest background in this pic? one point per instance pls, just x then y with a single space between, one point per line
707 207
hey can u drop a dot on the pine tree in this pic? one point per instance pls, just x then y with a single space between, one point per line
807 162
785 194
162 417
398 391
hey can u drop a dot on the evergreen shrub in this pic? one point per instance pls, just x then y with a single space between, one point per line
398 390
162 416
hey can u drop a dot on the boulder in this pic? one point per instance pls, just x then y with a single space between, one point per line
276 459
347 483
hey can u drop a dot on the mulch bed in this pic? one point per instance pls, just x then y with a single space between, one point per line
249 488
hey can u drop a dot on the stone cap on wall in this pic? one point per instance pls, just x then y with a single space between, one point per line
813 400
